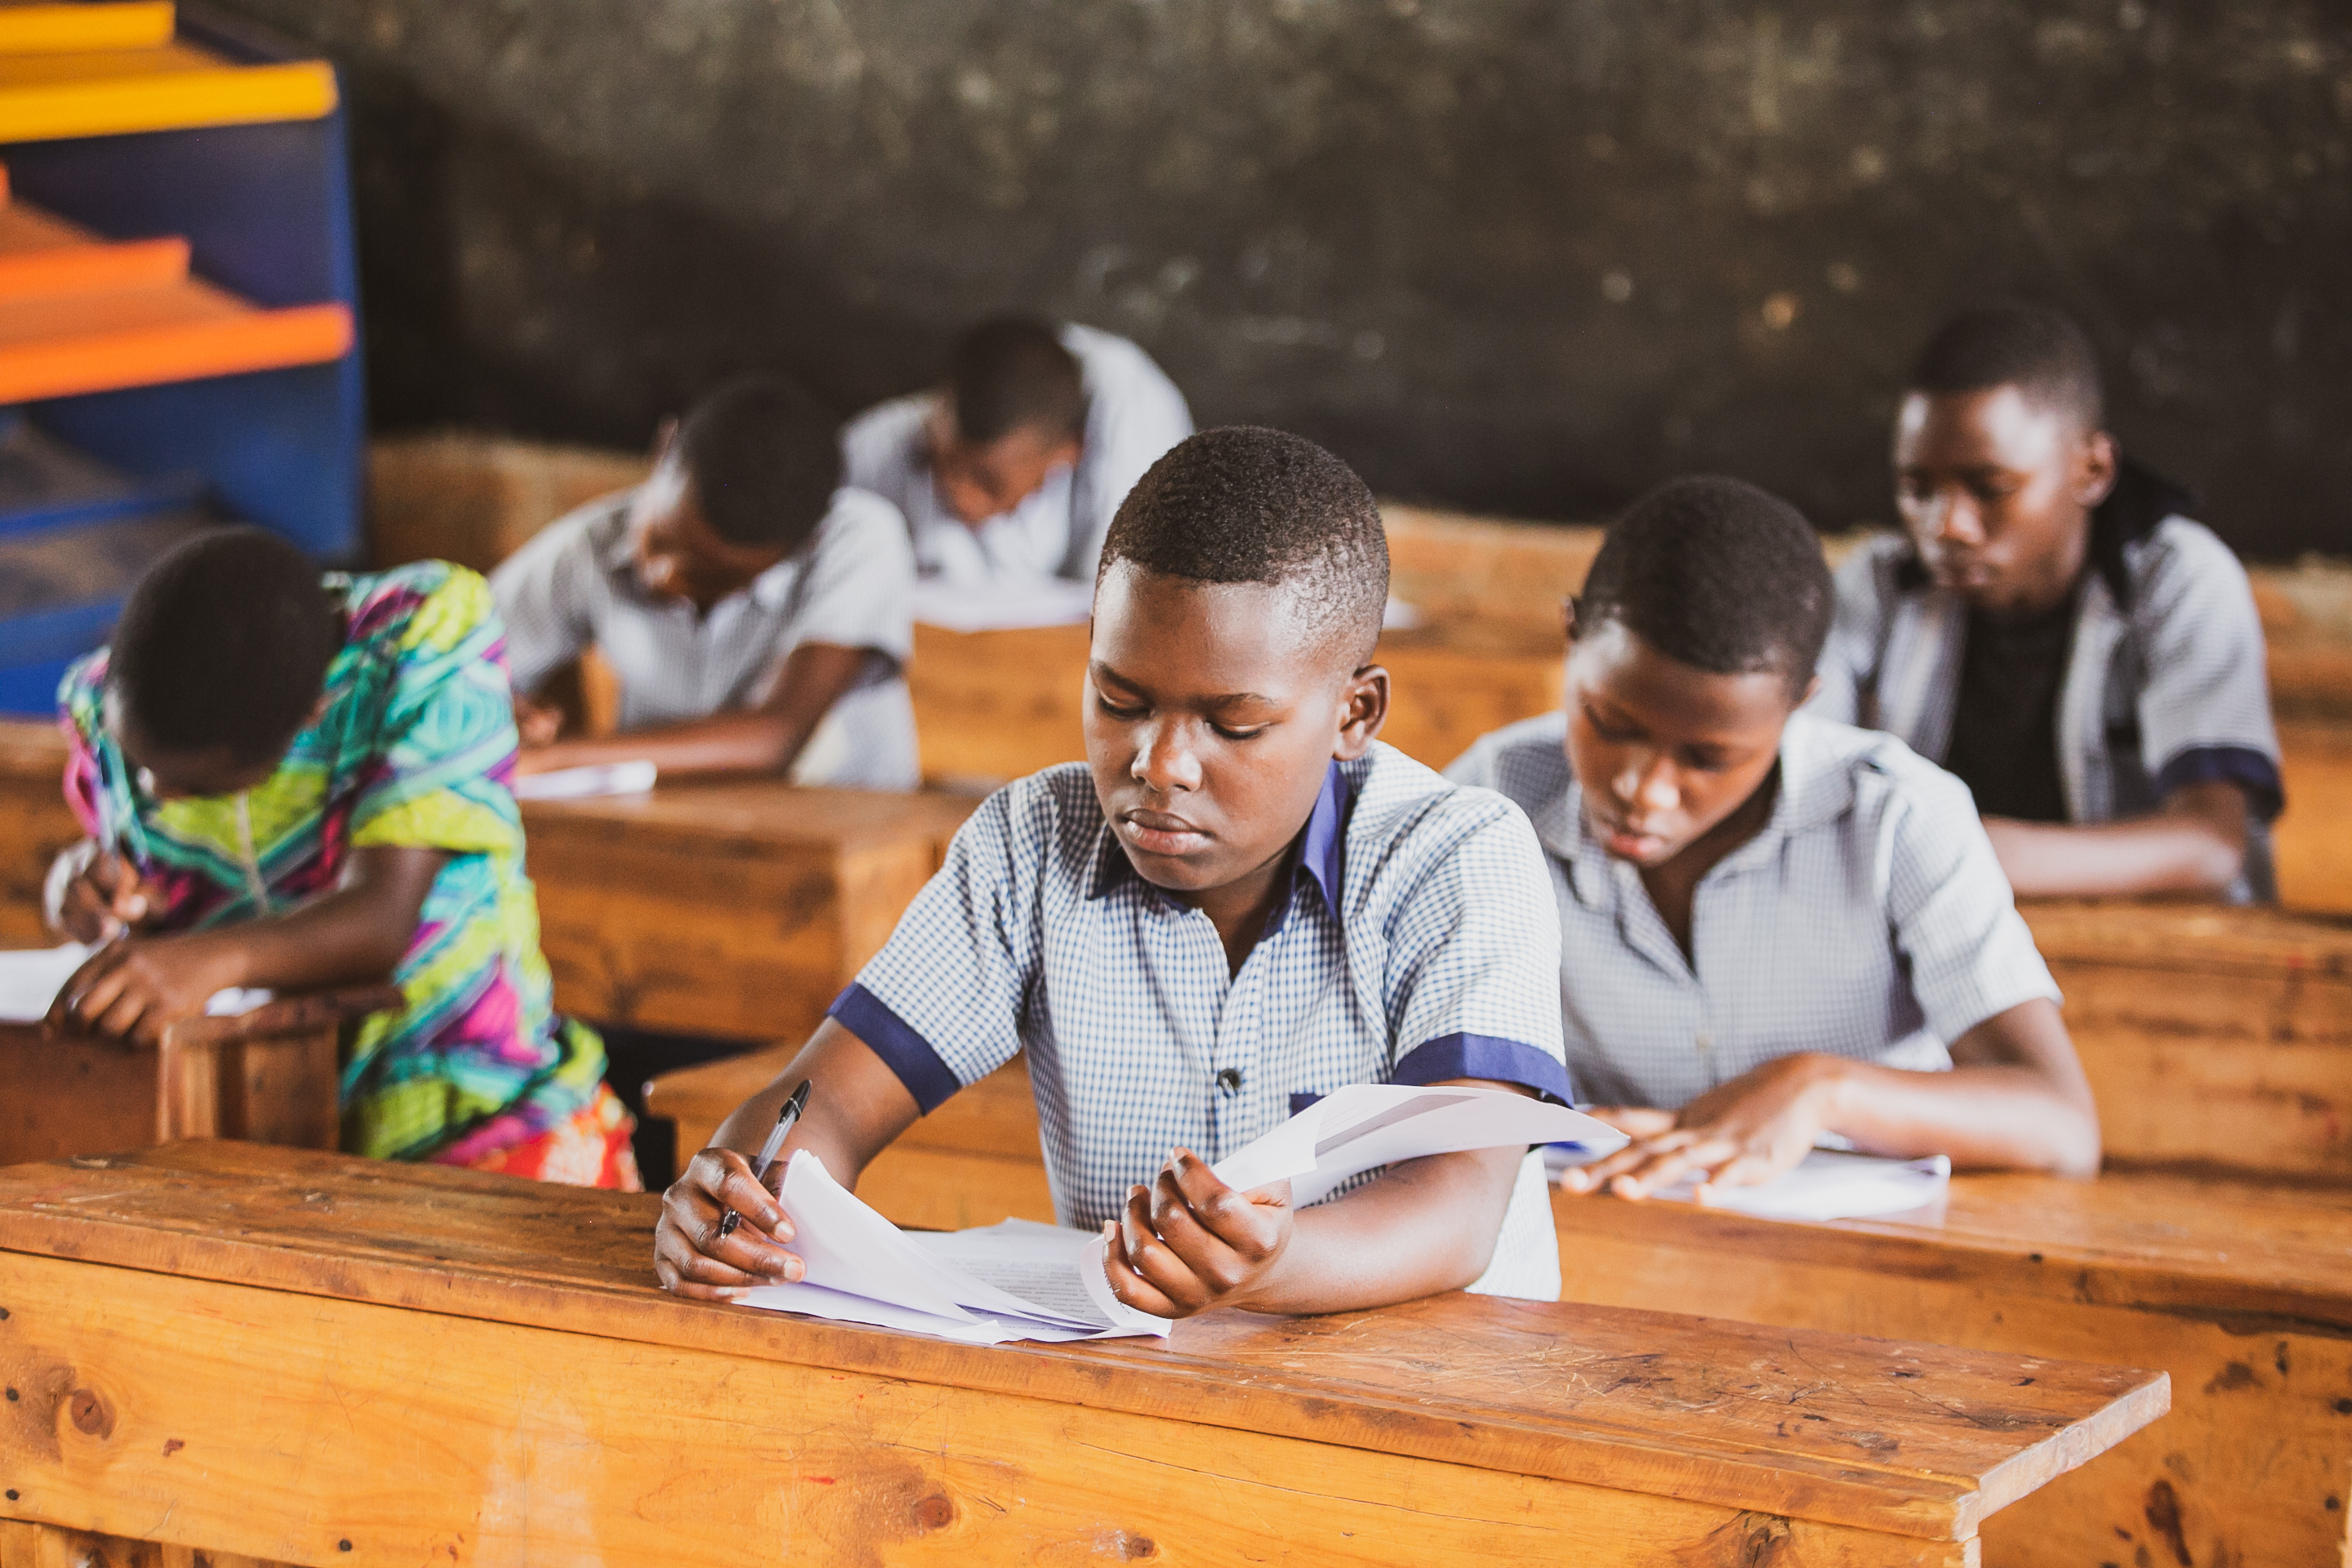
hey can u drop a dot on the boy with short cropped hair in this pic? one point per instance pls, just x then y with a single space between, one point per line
2054 629
755 610
1772 927
1239 898
1011 468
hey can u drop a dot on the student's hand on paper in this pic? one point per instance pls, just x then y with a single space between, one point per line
1745 1132
1188 1243
134 988
103 895
691 1258
537 723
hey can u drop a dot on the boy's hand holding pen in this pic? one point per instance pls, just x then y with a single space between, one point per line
719 1192
95 895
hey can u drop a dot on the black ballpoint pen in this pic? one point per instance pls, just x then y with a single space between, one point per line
785 1120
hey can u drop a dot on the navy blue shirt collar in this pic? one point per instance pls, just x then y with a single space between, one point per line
1322 849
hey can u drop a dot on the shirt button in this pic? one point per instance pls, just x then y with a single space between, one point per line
1230 1080
1706 1042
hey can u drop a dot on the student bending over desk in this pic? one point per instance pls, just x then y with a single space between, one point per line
757 616
1770 924
1012 468
1239 898
293 789
2055 630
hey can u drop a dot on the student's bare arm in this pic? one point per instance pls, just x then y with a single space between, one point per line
856 1105
2195 844
763 739
1188 1243
136 986
2015 1099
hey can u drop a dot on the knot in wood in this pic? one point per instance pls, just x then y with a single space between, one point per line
90 1413
934 1512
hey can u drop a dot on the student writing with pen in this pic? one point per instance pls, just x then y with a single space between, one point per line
1241 897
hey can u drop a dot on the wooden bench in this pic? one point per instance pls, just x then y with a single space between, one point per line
2241 1291
269 1076
299 1358
726 909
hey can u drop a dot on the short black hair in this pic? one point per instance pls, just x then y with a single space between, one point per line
2007 342
1243 504
225 642
765 457
1012 372
1717 573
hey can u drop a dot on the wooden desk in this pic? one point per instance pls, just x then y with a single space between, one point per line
2243 1292
2213 1037
301 1358
35 825
726 909
270 1076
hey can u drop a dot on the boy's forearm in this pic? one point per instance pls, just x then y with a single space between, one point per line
856 1105
2195 844
2007 1115
753 743
356 935
1424 1227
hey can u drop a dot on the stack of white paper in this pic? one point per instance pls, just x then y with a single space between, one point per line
1825 1184
1022 1281
30 980
587 783
1018 1281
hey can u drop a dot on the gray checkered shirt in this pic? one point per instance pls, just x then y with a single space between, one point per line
1867 918
2168 690
1414 945
576 583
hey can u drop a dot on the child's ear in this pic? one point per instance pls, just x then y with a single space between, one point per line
1366 700
1567 617
2096 466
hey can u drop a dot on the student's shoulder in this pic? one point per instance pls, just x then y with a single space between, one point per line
1842 774
1406 818
1527 761
1877 567
882 440
1109 361
2182 564
861 519
429 606
1052 817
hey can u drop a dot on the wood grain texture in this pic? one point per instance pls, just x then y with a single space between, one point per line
2313 841
2242 1291
726 909
35 827
1827 1429
270 1076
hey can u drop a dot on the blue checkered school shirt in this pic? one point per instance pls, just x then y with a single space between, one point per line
1417 943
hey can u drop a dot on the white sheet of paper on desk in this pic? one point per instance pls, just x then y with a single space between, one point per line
1013 1281
1827 1184
588 783
1001 606
1367 1125
31 978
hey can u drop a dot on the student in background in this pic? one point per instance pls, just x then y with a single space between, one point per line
1239 897
1012 467
2052 628
294 787
1772 926
755 610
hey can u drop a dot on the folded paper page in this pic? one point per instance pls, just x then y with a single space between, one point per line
1825 1184
1367 1125
1013 1281
587 783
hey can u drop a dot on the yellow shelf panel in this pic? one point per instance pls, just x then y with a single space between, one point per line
44 29
115 92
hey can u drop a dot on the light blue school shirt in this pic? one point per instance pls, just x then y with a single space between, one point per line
1415 942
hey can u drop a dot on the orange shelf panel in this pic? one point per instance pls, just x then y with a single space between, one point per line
109 92
42 30
98 267
101 342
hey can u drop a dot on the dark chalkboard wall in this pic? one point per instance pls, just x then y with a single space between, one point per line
1514 256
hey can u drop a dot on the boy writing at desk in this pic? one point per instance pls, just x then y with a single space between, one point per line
1772 927
1241 897
756 613
2054 629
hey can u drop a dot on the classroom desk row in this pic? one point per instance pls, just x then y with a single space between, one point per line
2240 1290
227 1353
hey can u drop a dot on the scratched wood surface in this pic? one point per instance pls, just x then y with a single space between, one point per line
269 1076
456 1282
736 908
35 825
2241 1290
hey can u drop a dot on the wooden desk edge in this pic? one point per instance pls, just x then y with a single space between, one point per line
1725 1472
289 1015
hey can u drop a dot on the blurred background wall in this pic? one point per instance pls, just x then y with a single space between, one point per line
1524 257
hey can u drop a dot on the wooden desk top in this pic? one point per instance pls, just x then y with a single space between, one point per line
2188 937
1906 1438
751 816
272 1020
2244 1254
